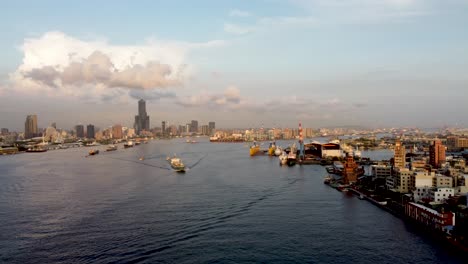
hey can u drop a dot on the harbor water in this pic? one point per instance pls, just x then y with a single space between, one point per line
116 207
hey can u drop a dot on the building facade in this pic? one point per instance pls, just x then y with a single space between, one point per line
30 127
142 120
436 154
79 130
117 132
90 133
194 126
211 128
399 155
429 217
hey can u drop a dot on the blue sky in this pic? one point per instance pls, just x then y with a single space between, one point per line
240 63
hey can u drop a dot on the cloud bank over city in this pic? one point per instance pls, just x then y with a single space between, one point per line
326 62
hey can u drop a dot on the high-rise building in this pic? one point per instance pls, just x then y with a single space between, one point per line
188 128
79 131
194 126
30 126
54 125
205 130
436 153
142 120
163 128
349 170
399 154
211 127
181 129
117 132
90 131
4 131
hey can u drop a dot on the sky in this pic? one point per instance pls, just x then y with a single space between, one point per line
270 63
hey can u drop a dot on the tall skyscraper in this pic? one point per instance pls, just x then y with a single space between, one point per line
90 131
4 131
30 126
211 127
79 131
54 125
436 153
163 128
205 130
194 126
142 120
117 132
399 155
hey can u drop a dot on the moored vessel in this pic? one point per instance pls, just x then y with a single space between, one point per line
93 152
254 149
292 156
129 144
283 158
111 148
36 149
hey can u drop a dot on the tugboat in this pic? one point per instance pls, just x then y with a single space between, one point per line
111 148
254 149
176 164
292 156
93 152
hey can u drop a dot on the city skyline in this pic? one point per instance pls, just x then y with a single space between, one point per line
324 63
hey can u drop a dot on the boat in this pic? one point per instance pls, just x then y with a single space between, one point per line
272 149
214 139
93 152
278 151
361 196
141 158
283 158
176 164
137 142
327 179
36 149
129 144
357 153
254 149
292 156
111 148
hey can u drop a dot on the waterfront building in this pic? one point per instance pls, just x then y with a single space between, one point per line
422 194
163 128
211 128
205 130
429 217
30 127
381 171
130 132
90 133
309 132
117 132
436 154
439 195
331 150
142 120
79 131
404 181
349 170
399 156
194 126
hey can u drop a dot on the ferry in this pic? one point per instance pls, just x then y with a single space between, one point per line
254 149
111 148
176 164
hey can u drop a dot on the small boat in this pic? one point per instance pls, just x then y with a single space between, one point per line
361 196
254 149
141 158
129 144
111 148
292 156
271 149
93 152
176 164
278 151
137 142
327 179
283 158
